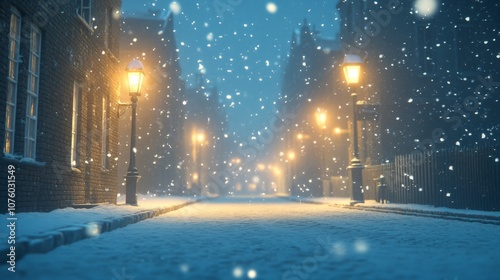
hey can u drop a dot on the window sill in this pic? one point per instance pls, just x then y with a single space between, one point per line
84 22
31 161
21 159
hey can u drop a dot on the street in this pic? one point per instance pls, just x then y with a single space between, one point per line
272 238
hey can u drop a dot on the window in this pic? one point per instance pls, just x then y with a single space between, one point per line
75 151
426 40
84 10
32 99
10 110
105 132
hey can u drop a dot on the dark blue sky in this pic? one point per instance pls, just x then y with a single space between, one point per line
244 53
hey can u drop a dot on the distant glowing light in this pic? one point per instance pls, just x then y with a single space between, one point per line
175 8
271 8
426 8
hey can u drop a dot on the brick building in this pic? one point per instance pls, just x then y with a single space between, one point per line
59 90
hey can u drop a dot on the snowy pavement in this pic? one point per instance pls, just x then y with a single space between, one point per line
271 238
33 223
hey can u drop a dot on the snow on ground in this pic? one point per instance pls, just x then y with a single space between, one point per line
32 223
373 203
270 238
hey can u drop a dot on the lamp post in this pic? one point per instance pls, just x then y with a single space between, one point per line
321 121
200 138
135 74
291 158
352 70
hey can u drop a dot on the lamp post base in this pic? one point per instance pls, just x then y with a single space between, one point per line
356 172
131 188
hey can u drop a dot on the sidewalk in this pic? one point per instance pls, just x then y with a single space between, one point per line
38 232
408 209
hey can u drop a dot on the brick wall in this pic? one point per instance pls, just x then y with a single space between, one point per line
71 51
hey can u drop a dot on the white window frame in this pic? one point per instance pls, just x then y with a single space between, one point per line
105 134
85 12
75 137
32 111
12 82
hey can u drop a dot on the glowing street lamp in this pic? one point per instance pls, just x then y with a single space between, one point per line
321 118
321 121
352 73
200 140
135 74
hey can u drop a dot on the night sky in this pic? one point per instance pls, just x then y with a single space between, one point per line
244 52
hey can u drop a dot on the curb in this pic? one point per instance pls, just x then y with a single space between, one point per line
48 241
474 218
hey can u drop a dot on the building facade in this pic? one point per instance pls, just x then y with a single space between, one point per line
207 143
59 90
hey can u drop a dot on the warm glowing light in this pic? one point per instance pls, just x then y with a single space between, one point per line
135 73
302 136
277 171
337 130
321 118
195 176
291 155
352 68
200 137
261 166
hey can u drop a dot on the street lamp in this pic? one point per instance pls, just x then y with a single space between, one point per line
352 71
321 121
200 139
135 74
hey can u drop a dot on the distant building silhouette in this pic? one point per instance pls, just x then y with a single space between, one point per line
312 82
205 130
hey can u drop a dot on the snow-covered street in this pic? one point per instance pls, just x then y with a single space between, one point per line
271 238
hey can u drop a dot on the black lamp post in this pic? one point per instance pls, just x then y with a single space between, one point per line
352 70
291 158
135 73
